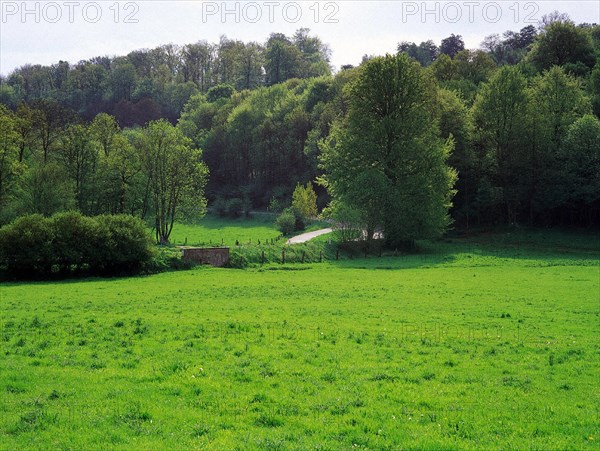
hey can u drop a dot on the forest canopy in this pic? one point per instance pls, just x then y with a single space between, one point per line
248 122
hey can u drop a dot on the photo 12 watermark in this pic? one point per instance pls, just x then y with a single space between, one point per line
69 12
471 12
271 12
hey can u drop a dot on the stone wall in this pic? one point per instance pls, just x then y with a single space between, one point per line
214 256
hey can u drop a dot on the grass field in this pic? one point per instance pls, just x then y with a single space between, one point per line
212 230
485 342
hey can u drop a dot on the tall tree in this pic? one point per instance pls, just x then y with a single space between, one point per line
283 59
49 119
9 139
455 123
580 163
386 159
563 43
559 102
104 128
452 45
79 155
425 53
176 175
500 119
25 117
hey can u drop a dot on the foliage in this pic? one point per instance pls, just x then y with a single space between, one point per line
260 113
563 43
500 117
580 160
26 246
286 221
43 190
425 53
9 165
176 176
346 222
452 45
69 243
148 84
126 246
385 159
235 207
512 47
223 91
304 201
275 205
263 142
559 103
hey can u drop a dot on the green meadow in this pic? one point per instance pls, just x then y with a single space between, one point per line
212 230
482 342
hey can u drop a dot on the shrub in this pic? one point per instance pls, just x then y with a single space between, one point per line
304 201
34 246
26 246
286 221
235 207
346 222
220 206
300 220
237 259
76 240
167 259
275 205
127 244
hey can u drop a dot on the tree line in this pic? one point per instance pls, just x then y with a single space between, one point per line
50 161
149 84
517 121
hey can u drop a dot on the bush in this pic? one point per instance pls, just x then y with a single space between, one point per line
127 245
286 221
220 206
26 246
275 205
34 246
76 240
346 222
300 222
237 259
167 259
235 207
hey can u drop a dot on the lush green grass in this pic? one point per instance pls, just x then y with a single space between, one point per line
485 342
212 230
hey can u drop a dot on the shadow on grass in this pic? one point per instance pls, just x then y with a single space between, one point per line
213 222
527 247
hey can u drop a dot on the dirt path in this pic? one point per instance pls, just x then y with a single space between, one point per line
308 236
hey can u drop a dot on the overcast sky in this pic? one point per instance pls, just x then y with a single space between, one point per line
45 32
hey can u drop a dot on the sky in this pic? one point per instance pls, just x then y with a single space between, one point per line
44 32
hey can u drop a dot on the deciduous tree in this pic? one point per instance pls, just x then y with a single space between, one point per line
386 159
176 174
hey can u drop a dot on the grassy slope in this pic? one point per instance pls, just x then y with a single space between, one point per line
471 344
213 230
